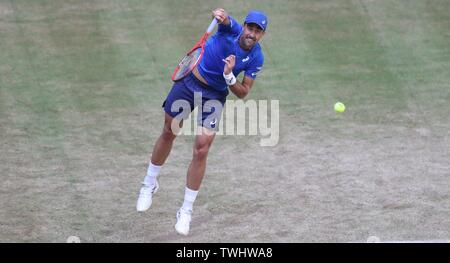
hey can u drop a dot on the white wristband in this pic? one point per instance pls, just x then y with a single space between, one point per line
230 79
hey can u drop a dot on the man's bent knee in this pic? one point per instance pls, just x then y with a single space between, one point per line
167 134
201 151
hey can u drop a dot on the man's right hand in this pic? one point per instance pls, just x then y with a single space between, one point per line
221 15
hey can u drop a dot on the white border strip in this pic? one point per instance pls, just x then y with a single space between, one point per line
375 239
415 241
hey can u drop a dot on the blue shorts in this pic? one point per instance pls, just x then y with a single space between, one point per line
188 93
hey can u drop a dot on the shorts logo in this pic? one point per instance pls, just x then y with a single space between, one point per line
213 123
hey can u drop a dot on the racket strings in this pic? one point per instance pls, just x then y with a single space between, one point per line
188 63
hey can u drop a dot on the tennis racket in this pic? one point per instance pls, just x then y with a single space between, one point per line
190 61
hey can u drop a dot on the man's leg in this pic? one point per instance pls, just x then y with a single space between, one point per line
197 167
160 153
161 150
164 143
194 178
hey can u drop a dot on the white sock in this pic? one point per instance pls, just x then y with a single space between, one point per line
189 199
152 173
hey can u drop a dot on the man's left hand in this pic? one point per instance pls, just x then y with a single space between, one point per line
229 64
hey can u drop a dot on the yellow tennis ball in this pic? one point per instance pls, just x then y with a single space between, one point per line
339 107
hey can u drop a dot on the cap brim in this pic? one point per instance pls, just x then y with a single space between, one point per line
256 23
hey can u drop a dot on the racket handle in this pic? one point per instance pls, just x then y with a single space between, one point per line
211 26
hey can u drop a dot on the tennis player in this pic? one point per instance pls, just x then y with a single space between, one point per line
233 49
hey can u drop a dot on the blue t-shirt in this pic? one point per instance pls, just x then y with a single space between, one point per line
222 44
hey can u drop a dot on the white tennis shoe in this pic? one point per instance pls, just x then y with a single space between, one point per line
145 197
183 221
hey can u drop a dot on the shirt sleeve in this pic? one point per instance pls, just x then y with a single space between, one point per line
234 28
255 67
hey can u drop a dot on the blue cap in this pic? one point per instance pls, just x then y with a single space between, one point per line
258 18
